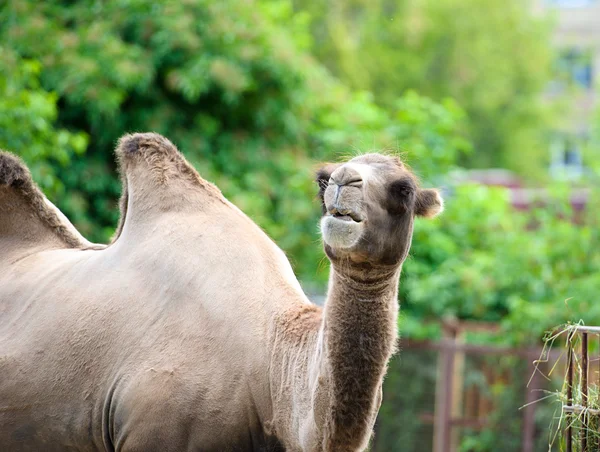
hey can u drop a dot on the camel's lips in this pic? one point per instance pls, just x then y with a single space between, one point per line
347 217
341 230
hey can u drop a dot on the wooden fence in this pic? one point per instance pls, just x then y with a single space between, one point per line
582 416
458 406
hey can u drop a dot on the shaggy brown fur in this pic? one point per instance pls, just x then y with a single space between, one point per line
299 321
18 191
160 159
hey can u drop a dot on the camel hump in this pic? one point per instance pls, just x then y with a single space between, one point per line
27 218
156 162
13 172
153 154
156 179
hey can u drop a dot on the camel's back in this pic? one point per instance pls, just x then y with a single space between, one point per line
53 361
156 342
96 343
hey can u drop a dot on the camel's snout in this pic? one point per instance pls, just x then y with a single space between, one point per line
343 196
346 175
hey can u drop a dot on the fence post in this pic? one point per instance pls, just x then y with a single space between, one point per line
598 385
568 416
443 393
529 411
584 389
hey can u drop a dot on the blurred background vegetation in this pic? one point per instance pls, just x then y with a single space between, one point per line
256 92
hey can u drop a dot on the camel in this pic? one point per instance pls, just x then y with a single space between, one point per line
189 331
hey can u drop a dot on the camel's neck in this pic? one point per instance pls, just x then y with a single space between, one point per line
328 365
360 333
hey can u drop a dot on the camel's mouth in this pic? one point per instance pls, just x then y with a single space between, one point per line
342 230
350 216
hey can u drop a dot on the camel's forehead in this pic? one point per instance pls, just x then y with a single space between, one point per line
373 167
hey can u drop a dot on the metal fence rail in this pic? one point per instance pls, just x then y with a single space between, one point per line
580 413
452 352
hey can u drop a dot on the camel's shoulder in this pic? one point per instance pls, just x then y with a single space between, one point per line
27 219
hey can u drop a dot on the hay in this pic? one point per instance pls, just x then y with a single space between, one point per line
582 415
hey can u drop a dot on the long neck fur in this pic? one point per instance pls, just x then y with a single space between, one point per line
360 332
328 364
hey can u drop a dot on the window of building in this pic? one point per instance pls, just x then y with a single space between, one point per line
574 68
566 159
571 3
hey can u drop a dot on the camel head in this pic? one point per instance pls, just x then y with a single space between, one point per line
369 205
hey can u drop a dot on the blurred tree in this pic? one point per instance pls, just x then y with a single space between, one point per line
483 260
229 83
493 57
28 122
253 113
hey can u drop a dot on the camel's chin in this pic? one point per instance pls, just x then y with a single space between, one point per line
340 233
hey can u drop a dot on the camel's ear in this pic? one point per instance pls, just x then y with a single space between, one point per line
322 179
429 203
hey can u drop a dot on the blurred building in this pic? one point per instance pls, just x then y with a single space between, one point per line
521 197
577 38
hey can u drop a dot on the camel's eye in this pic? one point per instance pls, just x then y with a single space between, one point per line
401 188
401 195
355 183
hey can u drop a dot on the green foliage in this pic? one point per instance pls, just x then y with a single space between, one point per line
493 57
505 429
231 87
409 399
408 393
28 122
253 112
483 260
